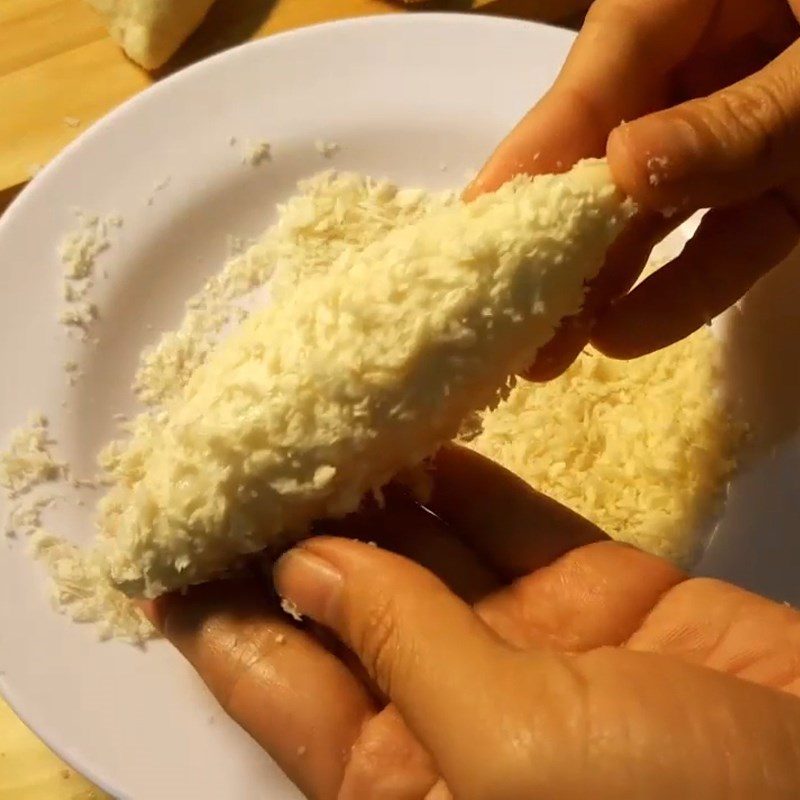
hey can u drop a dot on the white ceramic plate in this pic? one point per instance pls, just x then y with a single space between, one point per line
403 95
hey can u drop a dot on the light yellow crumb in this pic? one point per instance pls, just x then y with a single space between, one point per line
256 153
327 149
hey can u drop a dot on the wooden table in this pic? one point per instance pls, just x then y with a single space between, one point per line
59 72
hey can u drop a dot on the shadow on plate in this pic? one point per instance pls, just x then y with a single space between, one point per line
225 25
757 544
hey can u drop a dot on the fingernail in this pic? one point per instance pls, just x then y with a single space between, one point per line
309 583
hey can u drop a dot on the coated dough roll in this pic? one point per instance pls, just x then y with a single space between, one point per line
366 370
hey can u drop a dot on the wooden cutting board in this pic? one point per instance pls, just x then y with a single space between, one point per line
59 70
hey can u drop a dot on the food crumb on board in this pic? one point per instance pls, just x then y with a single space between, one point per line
280 638
302 750
327 149
256 153
72 122
65 774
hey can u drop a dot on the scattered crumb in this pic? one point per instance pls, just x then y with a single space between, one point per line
72 122
71 366
158 187
25 515
79 315
84 483
656 166
301 751
28 473
280 638
291 609
443 167
65 774
327 149
121 417
28 461
232 141
79 589
78 252
80 248
256 153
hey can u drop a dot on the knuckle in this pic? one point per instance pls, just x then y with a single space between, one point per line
246 653
754 116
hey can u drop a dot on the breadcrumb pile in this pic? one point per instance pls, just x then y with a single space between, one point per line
641 448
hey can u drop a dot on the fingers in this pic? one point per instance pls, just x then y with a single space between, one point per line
592 596
717 150
625 260
616 70
387 762
424 647
404 527
299 702
515 528
740 633
732 249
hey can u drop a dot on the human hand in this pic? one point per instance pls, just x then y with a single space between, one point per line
733 69
544 661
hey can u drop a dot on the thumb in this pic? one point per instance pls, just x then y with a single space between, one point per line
718 150
425 648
